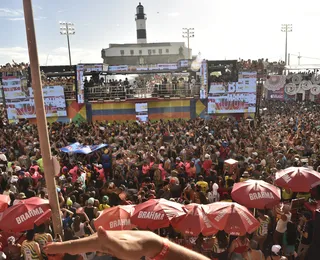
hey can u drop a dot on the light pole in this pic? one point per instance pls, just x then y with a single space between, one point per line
188 33
67 28
286 28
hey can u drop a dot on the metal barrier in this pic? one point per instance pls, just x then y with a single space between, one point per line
108 92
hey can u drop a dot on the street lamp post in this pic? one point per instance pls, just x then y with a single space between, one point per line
188 33
67 28
286 28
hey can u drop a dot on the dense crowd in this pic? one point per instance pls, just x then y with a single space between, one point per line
177 160
14 67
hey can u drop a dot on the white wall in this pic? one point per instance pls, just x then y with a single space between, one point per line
173 49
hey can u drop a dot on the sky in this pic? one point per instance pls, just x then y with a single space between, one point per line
247 29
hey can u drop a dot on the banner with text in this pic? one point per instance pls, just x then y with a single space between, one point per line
20 100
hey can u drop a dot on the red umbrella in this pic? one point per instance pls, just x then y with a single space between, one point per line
43 218
156 213
297 179
4 202
231 217
194 222
116 218
22 216
256 194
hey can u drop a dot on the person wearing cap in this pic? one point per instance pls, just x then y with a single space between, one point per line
13 250
276 253
90 210
104 203
207 163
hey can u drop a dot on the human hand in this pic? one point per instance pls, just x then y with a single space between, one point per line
121 244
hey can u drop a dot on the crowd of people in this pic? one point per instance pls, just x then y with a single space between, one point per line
177 160
14 67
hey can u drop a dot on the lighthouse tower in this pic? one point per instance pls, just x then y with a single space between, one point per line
141 24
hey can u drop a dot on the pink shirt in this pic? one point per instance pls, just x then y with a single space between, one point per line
73 173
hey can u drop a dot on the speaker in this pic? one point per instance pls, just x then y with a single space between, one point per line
313 253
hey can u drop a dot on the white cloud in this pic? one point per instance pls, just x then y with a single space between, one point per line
174 14
6 12
40 18
16 19
62 11
58 56
37 7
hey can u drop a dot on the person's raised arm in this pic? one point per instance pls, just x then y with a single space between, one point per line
125 245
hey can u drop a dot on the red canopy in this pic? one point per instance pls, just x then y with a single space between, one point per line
4 202
194 222
22 216
256 194
116 218
232 218
297 179
156 213
43 218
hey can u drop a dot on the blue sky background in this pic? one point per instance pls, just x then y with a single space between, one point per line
223 29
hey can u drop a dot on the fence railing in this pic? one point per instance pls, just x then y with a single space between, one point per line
107 92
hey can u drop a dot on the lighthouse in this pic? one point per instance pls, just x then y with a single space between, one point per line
141 24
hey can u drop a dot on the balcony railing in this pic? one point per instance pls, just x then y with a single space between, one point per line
107 92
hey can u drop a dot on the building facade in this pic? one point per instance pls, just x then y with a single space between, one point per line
145 53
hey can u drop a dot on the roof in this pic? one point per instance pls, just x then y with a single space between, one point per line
155 44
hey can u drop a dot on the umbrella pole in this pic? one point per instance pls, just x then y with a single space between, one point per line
49 171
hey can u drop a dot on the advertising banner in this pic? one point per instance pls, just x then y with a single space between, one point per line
141 68
276 94
204 79
80 84
141 112
20 103
234 97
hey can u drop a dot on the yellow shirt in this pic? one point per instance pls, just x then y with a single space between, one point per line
286 195
204 186
103 206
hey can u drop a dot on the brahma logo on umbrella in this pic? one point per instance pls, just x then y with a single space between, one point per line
29 214
221 214
119 223
286 178
261 195
150 215
246 217
206 221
